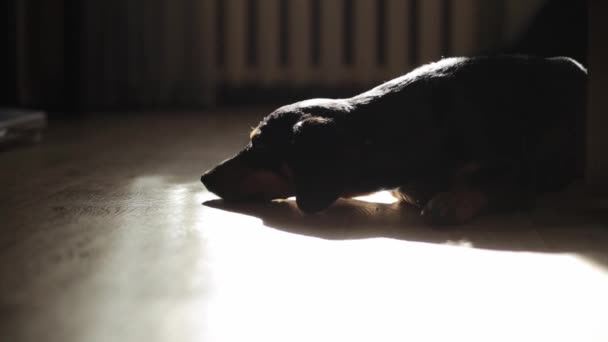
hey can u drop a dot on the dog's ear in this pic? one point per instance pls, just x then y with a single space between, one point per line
314 164
314 192
312 197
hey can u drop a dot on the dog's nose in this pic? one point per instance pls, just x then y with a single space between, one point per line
210 181
205 178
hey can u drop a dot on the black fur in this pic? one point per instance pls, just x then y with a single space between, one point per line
508 127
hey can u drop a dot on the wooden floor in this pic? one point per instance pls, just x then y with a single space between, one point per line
107 235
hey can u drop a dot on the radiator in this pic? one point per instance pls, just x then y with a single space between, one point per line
335 42
182 53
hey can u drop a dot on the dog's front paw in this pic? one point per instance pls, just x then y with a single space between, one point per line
454 207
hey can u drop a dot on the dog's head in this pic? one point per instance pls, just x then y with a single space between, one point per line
290 153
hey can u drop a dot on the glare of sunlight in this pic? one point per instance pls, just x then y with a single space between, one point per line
376 197
142 182
379 197
248 279
278 286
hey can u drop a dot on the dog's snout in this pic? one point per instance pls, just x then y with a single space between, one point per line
207 179
213 183
216 181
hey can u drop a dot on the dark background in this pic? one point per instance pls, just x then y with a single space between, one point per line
69 56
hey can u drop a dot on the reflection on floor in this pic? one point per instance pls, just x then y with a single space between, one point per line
107 235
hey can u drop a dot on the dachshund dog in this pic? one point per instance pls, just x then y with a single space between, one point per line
456 138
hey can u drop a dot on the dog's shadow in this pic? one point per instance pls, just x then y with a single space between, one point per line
552 227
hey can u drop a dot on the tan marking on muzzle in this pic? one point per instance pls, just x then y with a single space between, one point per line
235 180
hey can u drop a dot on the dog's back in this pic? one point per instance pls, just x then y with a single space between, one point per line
484 108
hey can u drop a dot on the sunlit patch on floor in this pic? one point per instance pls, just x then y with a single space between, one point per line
384 197
378 197
204 196
278 285
273 284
